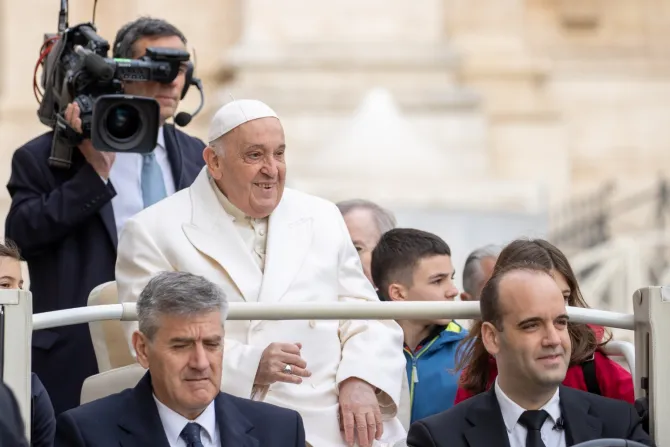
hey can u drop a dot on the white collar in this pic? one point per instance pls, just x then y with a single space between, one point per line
174 423
511 411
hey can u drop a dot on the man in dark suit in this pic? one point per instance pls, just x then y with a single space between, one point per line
180 341
67 221
525 327
11 423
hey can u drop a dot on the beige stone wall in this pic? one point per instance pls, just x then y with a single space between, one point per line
569 93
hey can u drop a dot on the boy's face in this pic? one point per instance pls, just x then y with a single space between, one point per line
433 280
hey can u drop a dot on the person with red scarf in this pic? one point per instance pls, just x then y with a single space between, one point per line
590 369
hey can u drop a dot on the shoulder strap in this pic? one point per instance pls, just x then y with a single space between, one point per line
589 370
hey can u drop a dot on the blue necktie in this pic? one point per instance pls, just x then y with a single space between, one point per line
191 434
153 185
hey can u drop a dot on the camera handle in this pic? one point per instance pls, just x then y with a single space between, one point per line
64 140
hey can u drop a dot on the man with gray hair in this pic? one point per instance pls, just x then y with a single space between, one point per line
178 402
477 270
366 222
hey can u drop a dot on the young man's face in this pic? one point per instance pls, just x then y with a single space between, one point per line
433 280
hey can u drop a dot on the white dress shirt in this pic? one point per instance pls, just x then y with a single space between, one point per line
511 412
174 423
126 176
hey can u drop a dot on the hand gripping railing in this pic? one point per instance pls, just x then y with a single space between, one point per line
651 308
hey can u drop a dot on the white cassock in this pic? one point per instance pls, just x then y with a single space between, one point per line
308 257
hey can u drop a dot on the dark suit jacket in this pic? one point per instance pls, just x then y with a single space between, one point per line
478 422
63 222
43 420
11 423
130 419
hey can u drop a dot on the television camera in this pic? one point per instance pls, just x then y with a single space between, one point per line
75 68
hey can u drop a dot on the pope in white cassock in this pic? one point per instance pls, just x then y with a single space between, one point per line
239 227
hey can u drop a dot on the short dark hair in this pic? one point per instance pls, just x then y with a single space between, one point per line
143 27
397 254
10 250
489 302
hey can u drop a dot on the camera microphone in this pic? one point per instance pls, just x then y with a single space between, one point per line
95 64
559 425
183 118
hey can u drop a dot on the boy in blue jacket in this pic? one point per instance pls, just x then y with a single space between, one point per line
414 265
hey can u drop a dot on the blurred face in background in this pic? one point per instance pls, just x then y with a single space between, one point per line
486 266
364 234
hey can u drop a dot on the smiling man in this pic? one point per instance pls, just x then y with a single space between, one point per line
241 228
178 402
525 327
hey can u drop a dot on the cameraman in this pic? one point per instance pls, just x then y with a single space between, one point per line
67 221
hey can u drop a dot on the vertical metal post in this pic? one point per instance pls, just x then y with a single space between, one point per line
651 307
2 342
16 343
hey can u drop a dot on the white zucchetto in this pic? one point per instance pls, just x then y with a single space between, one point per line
236 113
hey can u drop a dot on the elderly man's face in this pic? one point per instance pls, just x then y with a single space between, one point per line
184 359
364 234
251 171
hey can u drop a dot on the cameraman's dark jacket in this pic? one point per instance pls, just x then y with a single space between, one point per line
63 222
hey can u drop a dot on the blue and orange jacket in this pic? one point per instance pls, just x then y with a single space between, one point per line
432 381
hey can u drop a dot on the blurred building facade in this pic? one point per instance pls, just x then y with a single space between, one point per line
506 105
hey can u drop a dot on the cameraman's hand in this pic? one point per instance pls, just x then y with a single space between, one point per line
101 161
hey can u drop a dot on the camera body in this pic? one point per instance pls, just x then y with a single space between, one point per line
78 70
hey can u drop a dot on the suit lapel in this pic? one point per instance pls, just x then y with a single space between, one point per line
487 425
579 424
174 155
289 238
213 233
235 430
139 423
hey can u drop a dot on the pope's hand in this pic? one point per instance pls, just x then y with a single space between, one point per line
273 362
360 413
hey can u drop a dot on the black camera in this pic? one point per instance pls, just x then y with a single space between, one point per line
77 69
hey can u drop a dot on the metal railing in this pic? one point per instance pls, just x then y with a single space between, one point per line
324 311
650 360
